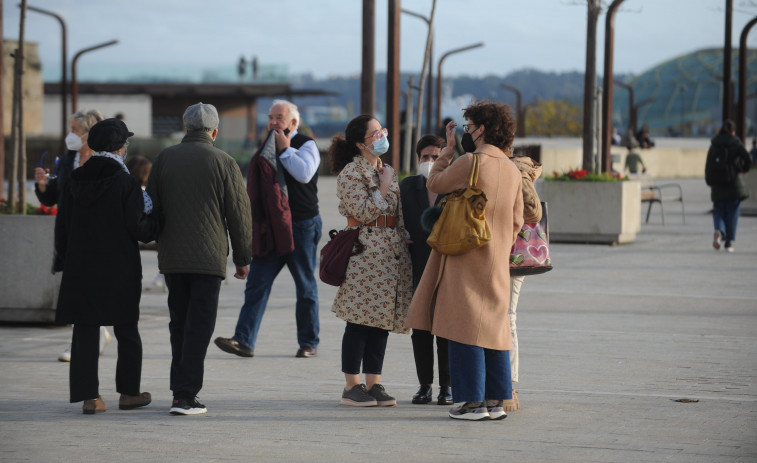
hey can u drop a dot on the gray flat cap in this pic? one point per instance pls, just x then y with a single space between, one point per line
200 116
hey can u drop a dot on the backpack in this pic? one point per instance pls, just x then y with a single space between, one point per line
719 169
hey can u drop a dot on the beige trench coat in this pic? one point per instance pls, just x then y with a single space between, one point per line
465 298
378 285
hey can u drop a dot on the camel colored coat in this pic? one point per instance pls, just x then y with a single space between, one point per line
465 298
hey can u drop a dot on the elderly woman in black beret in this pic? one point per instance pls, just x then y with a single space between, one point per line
103 213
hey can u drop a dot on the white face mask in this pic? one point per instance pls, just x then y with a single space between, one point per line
73 142
425 168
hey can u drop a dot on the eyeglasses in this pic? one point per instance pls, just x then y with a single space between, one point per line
466 127
378 134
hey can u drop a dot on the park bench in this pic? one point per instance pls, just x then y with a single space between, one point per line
652 194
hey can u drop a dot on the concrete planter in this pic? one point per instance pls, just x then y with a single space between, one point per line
28 289
749 205
593 212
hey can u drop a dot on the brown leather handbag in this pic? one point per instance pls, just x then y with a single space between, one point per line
462 225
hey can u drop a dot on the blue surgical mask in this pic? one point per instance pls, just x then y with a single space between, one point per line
380 146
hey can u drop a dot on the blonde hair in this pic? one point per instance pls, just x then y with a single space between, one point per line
87 118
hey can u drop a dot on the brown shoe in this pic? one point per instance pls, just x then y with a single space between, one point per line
93 406
305 352
130 402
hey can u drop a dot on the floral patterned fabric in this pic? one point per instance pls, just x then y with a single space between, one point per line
379 282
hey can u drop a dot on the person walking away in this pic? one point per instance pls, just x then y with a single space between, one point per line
376 292
299 157
88 296
727 159
200 200
465 298
415 199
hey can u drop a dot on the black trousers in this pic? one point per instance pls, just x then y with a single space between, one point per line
85 354
423 350
192 304
363 344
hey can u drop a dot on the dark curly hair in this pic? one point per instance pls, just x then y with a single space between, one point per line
343 147
498 121
428 140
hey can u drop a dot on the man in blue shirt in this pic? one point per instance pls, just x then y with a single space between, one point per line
300 158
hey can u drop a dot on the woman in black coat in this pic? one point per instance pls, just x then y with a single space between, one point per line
727 187
103 212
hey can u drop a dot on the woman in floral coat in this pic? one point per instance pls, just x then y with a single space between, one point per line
377 290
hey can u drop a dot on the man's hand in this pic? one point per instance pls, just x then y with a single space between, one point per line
282 141
242 272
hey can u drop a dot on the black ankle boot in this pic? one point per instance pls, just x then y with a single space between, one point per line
445 396
423 396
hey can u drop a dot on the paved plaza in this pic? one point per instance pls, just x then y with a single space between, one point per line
610 341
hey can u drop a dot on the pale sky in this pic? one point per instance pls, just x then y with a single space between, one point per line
323 37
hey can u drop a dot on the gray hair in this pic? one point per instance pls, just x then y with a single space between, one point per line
293 112
87 118
200 116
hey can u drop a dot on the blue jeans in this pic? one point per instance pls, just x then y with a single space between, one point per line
263 271
479 373
725 217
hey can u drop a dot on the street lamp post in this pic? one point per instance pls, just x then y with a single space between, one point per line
74 83
520 113
743 51
64 66
607 92
430 81
439 79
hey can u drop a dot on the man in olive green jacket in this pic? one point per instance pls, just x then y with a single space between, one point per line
198 195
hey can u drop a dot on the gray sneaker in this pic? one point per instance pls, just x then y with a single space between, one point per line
382 398
358 397
496 409
472 411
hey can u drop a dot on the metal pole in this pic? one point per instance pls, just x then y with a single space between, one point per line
74 83
440 80
407 149
607 92
631 121
368 76
743 51
727 80
2 113
590 76
422 80
393 82
63 75
430 80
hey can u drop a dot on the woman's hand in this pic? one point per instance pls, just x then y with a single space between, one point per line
386 173
450 131
40 176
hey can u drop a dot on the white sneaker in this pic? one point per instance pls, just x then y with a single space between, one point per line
729 246
105 339
65 356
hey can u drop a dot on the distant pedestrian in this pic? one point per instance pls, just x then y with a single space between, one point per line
728 189
200 199
89 297
286 231
634 164
753 151
416 198
376 292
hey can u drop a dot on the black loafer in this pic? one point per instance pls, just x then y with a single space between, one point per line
305 352
445 396
423 396
232 346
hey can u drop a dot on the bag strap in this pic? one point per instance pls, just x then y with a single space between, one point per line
473 179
